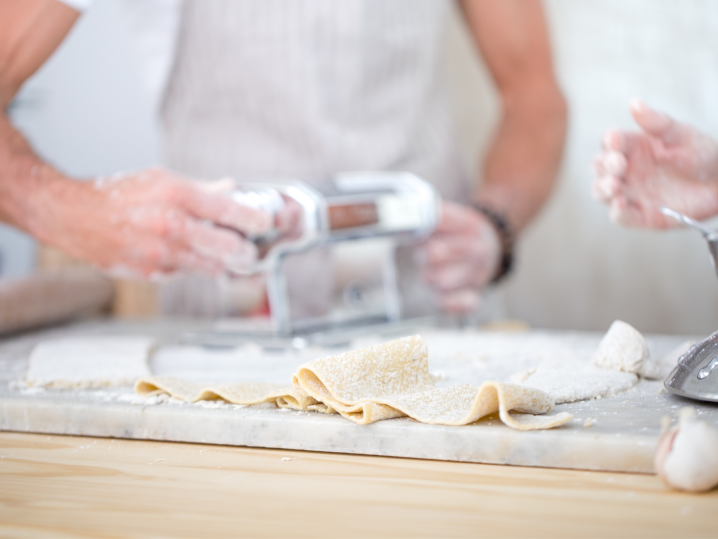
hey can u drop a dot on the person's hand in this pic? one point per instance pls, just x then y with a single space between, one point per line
666 163
150 223
461 257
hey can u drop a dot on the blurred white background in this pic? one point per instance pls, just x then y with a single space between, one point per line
86 112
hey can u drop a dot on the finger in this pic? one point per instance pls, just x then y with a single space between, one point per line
625 142
154 256
639 215
613 140
182 262
615 163
622 213
598 192
191 262
597 166
460 301
606 188
656 123
224 211
450 277
616 213
179 259
221 186
151 256
222 246
289 219
445 248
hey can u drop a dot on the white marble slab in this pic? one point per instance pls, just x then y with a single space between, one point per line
622 437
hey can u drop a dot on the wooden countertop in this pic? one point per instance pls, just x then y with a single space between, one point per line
63 486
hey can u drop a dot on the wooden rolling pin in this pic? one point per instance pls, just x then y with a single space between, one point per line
51 296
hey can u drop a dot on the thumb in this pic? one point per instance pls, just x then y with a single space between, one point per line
656 123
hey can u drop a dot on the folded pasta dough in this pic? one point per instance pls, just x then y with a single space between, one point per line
392 380
238 393
379 382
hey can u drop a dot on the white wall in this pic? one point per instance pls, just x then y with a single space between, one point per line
86 112
576 269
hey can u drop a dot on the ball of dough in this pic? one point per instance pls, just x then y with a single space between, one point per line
623 348
687 458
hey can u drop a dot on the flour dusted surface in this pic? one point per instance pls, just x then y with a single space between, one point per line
570 382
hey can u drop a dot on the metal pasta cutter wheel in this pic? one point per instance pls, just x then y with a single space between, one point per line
694 376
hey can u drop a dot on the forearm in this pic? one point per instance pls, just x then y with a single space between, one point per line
25 182
30 30
522 162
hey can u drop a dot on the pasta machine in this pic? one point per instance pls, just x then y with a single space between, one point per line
348 213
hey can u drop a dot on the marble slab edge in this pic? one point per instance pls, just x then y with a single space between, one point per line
487 441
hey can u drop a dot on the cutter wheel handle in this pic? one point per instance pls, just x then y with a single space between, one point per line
709 234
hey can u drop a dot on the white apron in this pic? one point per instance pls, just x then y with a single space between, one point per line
277 89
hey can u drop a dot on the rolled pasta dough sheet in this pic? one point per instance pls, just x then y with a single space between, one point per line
93 361
380 382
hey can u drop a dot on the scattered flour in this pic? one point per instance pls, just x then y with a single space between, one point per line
211 404
132 398
572 381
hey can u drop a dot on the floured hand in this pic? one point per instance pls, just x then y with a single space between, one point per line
150 223
666 163
461 257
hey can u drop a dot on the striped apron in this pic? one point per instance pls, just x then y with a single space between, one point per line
264 90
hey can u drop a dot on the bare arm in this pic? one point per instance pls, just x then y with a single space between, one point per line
144 223
467 252
30 31
522 162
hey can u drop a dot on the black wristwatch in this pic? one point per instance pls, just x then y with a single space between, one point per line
506 237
